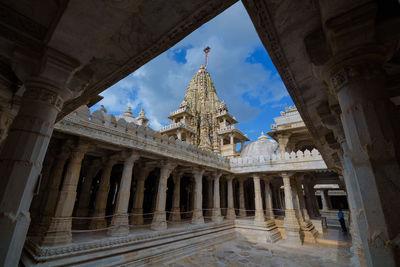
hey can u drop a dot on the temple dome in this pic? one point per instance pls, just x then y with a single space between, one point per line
263 146
128 116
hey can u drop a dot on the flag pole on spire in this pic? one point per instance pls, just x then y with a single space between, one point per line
206 52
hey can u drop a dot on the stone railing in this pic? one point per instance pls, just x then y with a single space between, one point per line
181 110
104 127
228 129
307 160
177 125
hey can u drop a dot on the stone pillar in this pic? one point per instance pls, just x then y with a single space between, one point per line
324 199
120 220
136 218
230 214
231 139
38 199
302 204
179 134
59 231
223 197
269 211
355 204
259 214
22 155
84 197
291 222
216 211
242 204
209 196
100 204
197 217
283 140
49 202
355 75
176 197
311 199
159 218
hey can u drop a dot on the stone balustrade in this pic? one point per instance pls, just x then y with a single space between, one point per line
177 125
179 111
307 160
228 129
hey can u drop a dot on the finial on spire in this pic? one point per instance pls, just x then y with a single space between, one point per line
206 52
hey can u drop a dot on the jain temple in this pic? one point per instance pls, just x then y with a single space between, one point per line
84 187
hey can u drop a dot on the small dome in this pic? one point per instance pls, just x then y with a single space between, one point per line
128 116
263 146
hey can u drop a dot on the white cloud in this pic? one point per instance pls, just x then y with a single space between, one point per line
160 85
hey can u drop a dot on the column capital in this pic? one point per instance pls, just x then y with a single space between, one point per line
130 156
287 174
198 172
256 176
216 175
79 151
229 177
166 168
111 160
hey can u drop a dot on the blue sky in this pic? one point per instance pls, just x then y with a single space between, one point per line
239 65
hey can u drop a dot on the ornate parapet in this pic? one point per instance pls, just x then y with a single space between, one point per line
295 161
138 137
229 129
177 125
181 111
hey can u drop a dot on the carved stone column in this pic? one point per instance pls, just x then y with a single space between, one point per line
223 197
100 204
283 140
34 229
355 75
311 199
210 199
197 217
259 214
160 219
84 197
120 220
291 222
269 211
216 211
21 159
52 188
355 204
230 214
324 199
175 210
302 204
242 203
137 210
59 231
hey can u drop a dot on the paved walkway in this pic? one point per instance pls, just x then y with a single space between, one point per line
245 253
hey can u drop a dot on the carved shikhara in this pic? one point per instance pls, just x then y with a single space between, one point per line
37 93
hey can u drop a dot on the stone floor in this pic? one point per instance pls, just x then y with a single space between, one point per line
245 253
